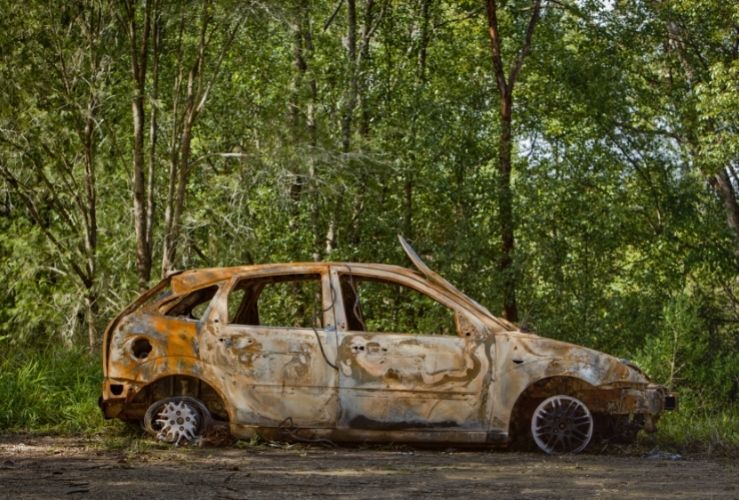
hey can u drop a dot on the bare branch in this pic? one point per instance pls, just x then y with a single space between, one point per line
495 46
23 192
224 49
333 15
526 47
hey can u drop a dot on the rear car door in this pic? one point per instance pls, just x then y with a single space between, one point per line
274 344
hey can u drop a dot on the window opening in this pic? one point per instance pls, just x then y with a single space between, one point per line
377 305
280 301
193 305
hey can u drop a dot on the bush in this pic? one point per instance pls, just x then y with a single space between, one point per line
691 354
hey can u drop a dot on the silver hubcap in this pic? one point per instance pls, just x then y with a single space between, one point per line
177 421
562 424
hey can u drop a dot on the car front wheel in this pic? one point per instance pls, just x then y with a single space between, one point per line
562 424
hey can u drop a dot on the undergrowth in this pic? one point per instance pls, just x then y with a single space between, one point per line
56 393
697 428
50 392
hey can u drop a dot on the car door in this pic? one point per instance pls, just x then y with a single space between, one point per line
409 358
273 339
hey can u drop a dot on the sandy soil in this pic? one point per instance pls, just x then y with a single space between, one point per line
36 467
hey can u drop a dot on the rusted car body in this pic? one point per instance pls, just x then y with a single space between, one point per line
202 347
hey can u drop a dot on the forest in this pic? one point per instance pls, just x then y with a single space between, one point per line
570 164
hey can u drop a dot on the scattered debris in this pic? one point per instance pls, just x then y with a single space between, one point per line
656 454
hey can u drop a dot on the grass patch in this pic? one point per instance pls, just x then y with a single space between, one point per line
698 428
51 392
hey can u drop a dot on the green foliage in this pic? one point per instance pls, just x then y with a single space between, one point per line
691 355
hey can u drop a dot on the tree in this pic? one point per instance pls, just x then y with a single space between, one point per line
189 97
51 146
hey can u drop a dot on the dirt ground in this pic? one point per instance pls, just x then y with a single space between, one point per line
44 467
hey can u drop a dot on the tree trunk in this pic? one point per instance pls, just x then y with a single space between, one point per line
196 96
91 229
721 182
179 173
298 124
420 84
91 310
139 56
350 97
506 221
153 134
505 85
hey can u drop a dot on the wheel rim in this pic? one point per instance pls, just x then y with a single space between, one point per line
562 424
176 420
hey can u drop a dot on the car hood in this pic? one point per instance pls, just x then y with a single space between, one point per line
529 352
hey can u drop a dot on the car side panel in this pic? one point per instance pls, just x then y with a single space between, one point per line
397 381
273 374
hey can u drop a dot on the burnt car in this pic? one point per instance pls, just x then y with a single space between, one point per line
361 353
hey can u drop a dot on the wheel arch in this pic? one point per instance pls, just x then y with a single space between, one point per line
181 384
537 391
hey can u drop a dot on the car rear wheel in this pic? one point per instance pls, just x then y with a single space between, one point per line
177 420
562 424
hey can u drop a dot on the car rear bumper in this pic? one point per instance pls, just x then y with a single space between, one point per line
116 393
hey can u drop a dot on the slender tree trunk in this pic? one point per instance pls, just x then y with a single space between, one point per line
153 134
721 182
506 221
183 177
87 138
347 116
312 127
167 237
368 26
505 85
298 124
91 313
196 96
419 86
139 50
350 96
179 173
359 88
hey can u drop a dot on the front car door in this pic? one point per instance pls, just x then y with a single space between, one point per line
411 361
274 337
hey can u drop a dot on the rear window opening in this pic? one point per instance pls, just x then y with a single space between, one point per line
191 306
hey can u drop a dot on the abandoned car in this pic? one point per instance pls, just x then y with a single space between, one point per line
357 352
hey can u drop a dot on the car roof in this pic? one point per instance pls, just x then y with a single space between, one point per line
185 281
192 279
